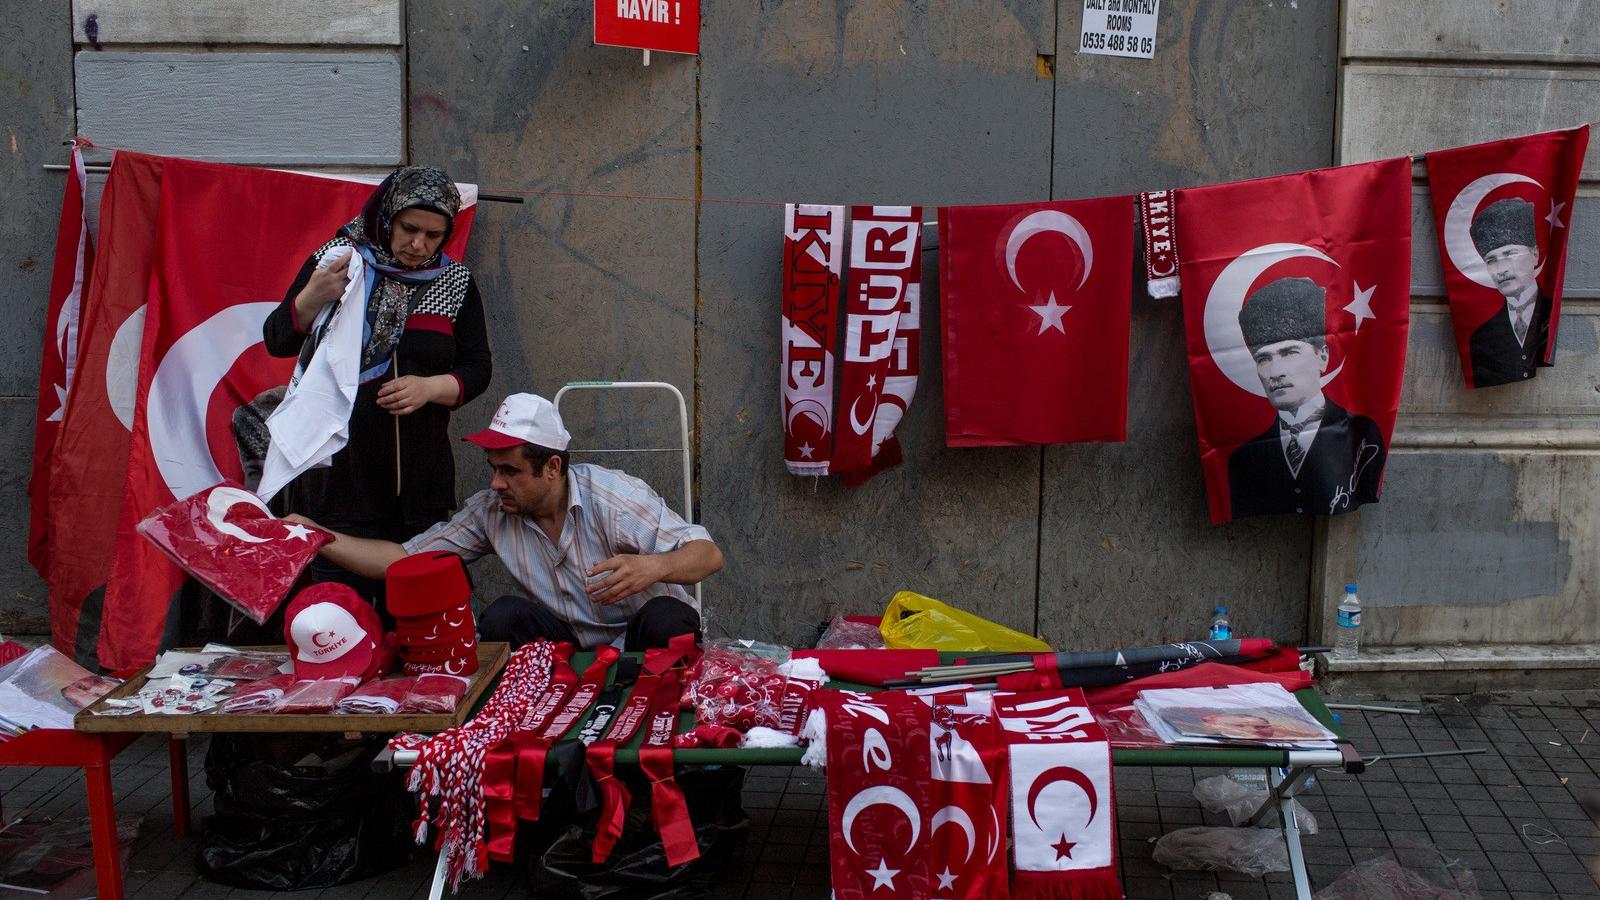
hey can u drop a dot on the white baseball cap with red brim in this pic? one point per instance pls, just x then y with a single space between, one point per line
523 419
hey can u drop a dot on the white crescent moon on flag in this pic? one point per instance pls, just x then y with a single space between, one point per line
996 836
811 409
873 796
222 499
181 390
855 422
959 816
122 368
1224 338
1046 220
1458 224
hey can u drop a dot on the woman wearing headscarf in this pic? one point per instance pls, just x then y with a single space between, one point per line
425 352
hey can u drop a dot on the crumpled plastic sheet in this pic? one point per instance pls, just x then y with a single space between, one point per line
846 635
1221 794
1252 851
1385 879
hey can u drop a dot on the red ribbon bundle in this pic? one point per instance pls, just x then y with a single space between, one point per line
654 699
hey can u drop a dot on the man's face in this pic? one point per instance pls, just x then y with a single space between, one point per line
1511 267
520 487
1290 372
415 235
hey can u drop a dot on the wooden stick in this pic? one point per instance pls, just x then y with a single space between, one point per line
394 361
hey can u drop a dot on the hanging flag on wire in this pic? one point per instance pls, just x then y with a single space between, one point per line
74 264
1501 211
1296 305
90 457
1036 302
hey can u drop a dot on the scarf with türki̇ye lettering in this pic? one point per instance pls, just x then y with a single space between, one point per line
813 250
1062 814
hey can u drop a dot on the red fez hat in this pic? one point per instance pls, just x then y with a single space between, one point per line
425 583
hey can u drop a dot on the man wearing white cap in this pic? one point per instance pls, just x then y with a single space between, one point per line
601 555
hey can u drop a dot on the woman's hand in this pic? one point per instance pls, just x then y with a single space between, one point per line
409 393
325 285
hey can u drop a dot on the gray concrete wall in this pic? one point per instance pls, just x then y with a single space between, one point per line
36 114
1487 530
870 102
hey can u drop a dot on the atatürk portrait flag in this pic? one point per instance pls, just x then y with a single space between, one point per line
1502 211
1296 305
1035 301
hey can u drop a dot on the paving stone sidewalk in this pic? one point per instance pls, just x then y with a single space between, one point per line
1511 818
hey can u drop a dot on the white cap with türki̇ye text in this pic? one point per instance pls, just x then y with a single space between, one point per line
523 419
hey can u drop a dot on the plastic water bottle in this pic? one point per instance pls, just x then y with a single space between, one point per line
1348 638
1220 629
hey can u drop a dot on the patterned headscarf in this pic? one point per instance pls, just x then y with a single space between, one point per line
411 187
394 291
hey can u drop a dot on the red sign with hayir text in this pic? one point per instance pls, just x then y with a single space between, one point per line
669 25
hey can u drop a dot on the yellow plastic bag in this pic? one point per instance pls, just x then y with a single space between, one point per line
915 621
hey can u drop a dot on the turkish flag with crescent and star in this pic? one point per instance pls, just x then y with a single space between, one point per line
58 362
90 455
878 800
230 542
229 240
882 338
1063 815
813 251
1296 305
1036 305
1502 212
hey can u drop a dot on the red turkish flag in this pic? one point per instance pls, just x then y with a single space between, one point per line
90 455
878 794
227 539
1035 299
230 240
74 264
1296 304
1501 211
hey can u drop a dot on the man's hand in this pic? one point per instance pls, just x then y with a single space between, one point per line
409 393
628 575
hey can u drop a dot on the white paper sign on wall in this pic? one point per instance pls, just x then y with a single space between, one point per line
1119 27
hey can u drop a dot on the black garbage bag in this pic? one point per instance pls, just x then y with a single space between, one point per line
637 868
296 811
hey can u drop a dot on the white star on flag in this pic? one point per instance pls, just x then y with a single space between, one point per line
805 450
947 881
1361 306
872 382
61 404
1555 215
297 531
883 876
1050 313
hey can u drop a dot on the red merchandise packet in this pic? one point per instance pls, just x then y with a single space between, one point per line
227 539
435 693
262 696
319 696
380 695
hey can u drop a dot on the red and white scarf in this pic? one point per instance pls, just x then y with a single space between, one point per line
813 247
1063 819
967 797
450 766
878 794
882 338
